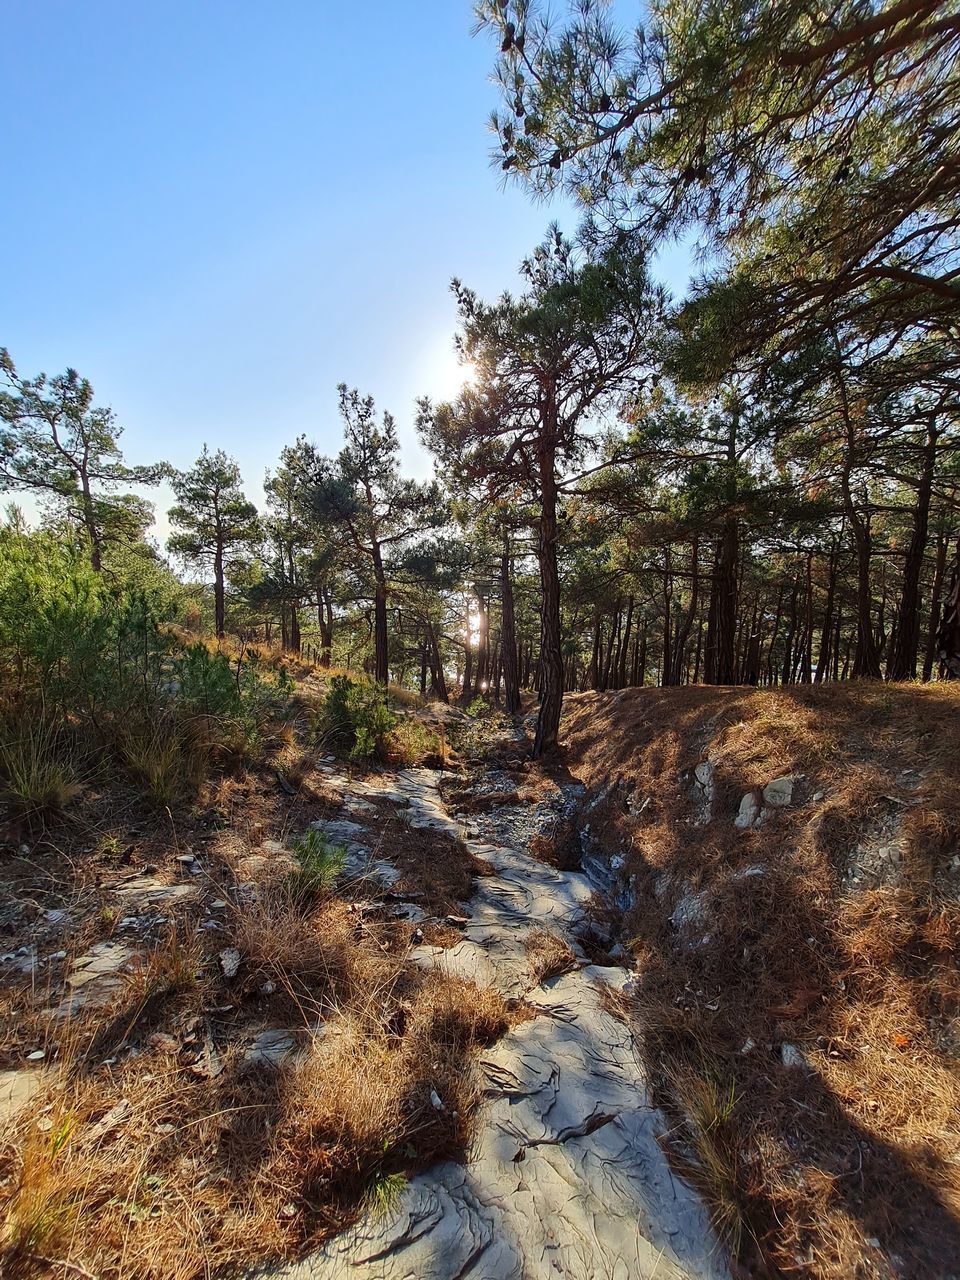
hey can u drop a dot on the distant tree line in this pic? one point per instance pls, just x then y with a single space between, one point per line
755 484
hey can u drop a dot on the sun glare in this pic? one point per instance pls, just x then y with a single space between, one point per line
444 375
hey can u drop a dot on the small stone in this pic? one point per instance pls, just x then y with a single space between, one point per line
748 1046
271 1048
791 1056
778 794
230 961
749 811
435 1101
37 1055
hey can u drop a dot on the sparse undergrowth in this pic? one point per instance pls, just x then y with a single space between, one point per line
171 1172
161 1146
797 987
548 955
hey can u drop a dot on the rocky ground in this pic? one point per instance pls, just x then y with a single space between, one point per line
565 1176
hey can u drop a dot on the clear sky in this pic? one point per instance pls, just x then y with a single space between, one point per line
217 211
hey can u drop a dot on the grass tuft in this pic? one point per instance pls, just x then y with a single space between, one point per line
40 775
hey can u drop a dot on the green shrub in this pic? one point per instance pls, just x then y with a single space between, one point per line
96 656
319 864
355 719
410 742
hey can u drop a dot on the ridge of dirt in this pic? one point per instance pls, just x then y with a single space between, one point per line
783 869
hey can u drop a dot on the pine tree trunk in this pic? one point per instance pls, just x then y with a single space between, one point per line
624 652
219 610
903 662
90 524
866 662
325 623
551 658
823 661
939 573
381 655
508 632
948 635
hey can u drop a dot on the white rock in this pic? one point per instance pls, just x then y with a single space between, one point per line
749 811
271 1048
791 1056
778 794
230 961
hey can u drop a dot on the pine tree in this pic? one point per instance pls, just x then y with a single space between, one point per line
56 443
212 517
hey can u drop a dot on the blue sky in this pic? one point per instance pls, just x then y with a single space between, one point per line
217 211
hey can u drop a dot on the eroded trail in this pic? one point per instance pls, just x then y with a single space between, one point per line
565 1177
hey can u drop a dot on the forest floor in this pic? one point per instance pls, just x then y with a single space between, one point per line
539 1021
214 1048
783 875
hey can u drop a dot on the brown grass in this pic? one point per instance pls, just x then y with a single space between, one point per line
437 869
548 955
849 1165
158 1166
156 1148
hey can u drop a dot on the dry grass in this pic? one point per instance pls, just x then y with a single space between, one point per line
160 1166
548 955
39 771
437 869
750 940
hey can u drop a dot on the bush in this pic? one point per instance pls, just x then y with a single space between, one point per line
40 776
160 755
411 742
480 708
355 719
94 659
320 864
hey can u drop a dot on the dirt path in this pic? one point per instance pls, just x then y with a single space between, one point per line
565 1178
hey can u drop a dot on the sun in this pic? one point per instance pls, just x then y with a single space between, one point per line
444 375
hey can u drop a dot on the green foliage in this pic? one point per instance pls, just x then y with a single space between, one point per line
410 742
69 639
81 651
355 719
211 514
38 768
384 1193
319 864
56 443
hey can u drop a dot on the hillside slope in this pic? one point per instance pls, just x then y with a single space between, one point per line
787 873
